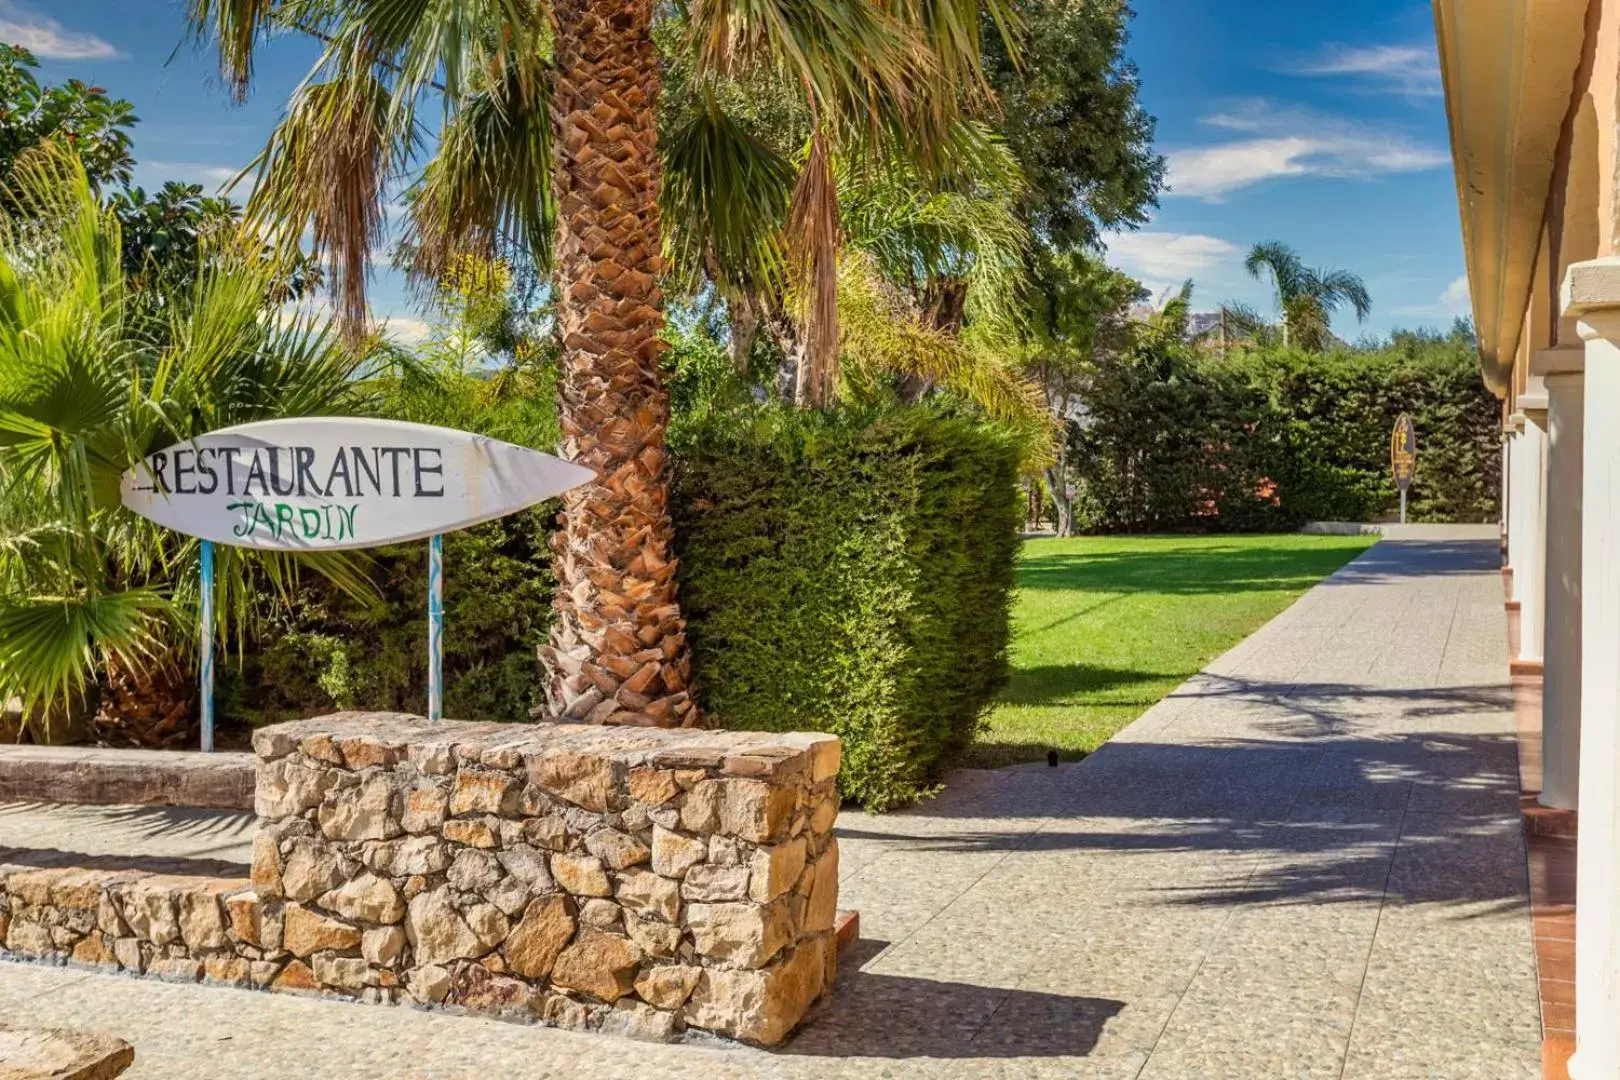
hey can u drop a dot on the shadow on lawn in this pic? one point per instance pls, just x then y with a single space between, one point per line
1056 684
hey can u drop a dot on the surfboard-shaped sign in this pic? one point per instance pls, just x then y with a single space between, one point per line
333 483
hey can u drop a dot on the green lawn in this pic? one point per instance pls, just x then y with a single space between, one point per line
1103 627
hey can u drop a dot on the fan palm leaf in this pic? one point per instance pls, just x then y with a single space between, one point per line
725 196
84 394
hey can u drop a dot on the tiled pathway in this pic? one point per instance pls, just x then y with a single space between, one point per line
1306 862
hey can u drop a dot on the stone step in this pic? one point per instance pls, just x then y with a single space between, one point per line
100 776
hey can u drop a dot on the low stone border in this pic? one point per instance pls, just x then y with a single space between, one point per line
104 777
636 881
1342 528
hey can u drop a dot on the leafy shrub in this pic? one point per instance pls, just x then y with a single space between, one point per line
852 573
332 651
1341 407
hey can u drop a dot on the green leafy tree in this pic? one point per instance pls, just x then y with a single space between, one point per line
82 117
1071 114
164 235
1081 320
1306 298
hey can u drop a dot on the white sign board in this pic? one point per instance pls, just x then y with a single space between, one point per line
330 483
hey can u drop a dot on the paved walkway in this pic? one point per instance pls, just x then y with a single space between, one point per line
1306 862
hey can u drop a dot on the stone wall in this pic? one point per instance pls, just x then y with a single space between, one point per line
635 881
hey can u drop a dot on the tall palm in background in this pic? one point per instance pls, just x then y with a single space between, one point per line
1306 298
547 143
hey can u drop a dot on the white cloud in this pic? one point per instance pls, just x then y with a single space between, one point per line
1399 69
404 329
213 178
1453 301
1163 260
49 39
1291 142
1166 254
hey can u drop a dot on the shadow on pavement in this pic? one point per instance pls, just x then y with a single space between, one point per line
890 1016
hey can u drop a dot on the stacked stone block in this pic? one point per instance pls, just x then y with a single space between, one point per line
636 881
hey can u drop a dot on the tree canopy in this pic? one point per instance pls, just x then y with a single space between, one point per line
1070 111
78 115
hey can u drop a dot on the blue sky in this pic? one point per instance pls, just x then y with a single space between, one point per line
1321 125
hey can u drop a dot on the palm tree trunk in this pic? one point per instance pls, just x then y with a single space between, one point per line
618 652
151 706
744 329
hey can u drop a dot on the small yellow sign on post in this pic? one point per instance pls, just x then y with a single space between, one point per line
1403 457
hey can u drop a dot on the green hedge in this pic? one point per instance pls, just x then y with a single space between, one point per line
1269 440
850 573
329 651
1340 408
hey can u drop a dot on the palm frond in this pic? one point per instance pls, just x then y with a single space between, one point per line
487 189
1287 272
964 227
1243 321
725 196
812 245
50 646
324 171
84 395
838 51
883 333
236 26
1335 287
1175 310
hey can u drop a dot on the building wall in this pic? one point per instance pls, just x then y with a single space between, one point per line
1581 201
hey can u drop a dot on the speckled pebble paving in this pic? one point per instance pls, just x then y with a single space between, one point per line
1304 863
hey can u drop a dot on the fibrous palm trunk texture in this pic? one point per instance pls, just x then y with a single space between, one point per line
151 706
618 651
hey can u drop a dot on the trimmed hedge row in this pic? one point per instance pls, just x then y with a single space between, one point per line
851 573
1266 441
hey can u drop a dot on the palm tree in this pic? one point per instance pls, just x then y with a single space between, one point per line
88 591
584 114
1306 298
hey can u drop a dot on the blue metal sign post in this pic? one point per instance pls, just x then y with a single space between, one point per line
206 645
436 628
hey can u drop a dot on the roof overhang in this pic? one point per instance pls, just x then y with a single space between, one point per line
1508 67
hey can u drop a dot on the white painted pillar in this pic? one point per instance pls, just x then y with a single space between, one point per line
1502 501
1517 485
1530 577
1563 372
1592 295
1525 550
